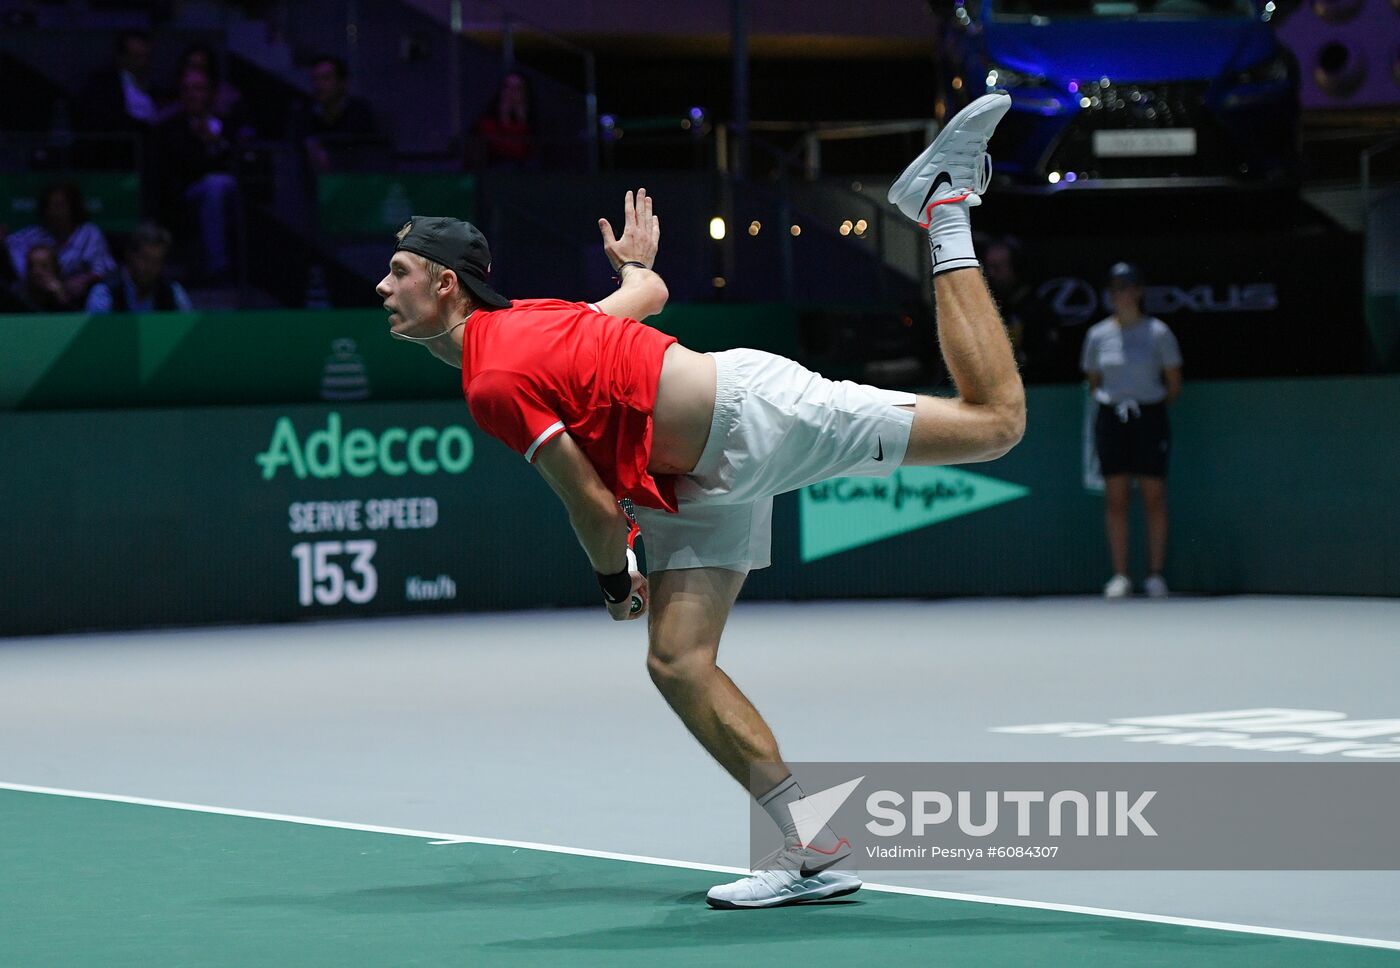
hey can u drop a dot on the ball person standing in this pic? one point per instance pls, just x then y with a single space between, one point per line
1134 368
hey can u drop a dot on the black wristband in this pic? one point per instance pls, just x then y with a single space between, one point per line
616 587
617 279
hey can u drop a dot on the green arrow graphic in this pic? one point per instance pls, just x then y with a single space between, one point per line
849 512
33 345
159 336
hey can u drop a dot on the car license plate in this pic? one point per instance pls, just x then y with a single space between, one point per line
1144 144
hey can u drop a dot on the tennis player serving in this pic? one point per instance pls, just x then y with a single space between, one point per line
607 408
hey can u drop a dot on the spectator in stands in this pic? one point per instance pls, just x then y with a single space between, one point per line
42 289
1133 365
141 285
193 166
334 118
505 127
226 102
118 98
78 246
1034 331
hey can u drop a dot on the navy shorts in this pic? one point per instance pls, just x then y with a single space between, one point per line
1138 446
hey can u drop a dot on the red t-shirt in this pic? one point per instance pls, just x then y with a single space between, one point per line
544 366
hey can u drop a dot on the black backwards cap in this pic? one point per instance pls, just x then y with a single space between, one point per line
459 246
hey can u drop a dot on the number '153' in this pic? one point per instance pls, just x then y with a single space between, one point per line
321 579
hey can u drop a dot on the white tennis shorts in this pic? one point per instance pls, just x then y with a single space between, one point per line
777 427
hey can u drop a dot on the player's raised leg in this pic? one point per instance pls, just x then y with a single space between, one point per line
988 416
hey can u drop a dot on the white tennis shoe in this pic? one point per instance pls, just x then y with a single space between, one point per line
955 168
787 876
1156 587
1119 586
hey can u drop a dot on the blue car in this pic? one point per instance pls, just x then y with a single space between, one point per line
1118 93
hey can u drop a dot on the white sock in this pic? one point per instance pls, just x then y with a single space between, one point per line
950 237
776 803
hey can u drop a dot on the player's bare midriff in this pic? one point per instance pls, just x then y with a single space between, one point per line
685 404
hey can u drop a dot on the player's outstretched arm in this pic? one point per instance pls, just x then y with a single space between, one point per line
599 523
642 293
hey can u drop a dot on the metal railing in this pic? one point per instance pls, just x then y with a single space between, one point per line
850 211
813 136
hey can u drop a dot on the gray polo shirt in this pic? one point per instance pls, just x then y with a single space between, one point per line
1131 360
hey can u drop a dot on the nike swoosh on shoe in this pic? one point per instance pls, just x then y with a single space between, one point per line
943 179
837 855
814 870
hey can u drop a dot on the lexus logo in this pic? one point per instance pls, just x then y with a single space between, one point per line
1075 301
1259 297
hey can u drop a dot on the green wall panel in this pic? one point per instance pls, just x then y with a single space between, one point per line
142 517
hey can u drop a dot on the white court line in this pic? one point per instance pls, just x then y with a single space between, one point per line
435 838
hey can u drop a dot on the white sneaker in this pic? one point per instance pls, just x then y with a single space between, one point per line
1119 586
1155 586
787 876
955 168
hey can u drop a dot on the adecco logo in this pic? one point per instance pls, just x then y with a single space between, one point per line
328 452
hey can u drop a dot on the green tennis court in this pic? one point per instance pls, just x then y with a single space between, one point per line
98 882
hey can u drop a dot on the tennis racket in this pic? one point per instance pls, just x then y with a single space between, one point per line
632 532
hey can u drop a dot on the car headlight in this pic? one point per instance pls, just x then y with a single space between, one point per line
999 77
1270 71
